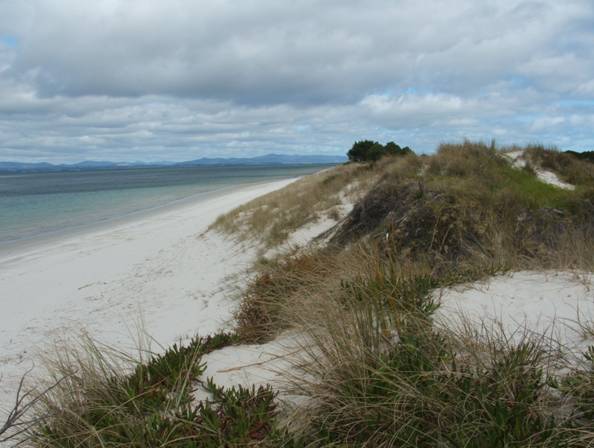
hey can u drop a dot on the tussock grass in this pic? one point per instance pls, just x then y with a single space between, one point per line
271 218
259 316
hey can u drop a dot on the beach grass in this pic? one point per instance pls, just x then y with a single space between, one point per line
272 218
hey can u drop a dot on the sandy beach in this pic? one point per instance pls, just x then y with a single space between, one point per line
162 273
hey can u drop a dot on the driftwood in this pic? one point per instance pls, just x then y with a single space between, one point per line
19 421
259 363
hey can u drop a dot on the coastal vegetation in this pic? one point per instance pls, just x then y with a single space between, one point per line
272 218
107 399
584 155
370 151
458 216
568 166
374 368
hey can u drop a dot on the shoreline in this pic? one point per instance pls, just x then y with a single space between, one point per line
160 274
18 248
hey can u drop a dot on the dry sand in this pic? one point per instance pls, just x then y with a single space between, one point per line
550 304
518 160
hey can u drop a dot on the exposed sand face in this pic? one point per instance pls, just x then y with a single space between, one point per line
551 304
518 160
163 268
548 177
253 365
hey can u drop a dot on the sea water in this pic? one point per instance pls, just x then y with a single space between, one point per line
39 206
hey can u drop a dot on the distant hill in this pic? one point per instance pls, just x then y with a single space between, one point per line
268 159
17 166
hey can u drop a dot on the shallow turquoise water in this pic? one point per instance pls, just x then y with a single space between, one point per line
35 206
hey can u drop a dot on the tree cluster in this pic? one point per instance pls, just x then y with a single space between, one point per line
369 151
584 155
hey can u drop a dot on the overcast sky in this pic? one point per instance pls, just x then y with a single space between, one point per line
181 79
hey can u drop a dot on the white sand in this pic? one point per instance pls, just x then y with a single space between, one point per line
548 177
252 365
552 304
162 267
518 160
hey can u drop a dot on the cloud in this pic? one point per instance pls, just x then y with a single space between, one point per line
265 51
155 79
416 110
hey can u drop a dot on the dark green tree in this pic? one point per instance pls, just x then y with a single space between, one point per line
393 149
370 151
376 152
361 150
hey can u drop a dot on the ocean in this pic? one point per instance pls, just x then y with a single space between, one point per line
40 206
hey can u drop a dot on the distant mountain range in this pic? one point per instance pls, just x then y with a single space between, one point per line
268 159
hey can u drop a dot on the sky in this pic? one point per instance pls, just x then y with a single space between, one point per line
148 80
